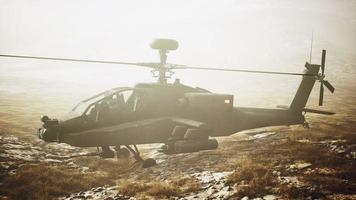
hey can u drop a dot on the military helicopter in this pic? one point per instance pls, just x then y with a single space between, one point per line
184 118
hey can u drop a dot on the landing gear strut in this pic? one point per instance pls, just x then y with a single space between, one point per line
106 152
122 152
145 163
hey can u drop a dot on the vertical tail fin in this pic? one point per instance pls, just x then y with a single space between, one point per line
301 97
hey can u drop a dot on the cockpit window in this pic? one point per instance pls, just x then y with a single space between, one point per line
125 95
81 107
114 98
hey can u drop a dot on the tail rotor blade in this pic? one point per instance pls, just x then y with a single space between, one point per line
321 94
329 86
323 55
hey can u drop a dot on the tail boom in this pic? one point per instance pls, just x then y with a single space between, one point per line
301 97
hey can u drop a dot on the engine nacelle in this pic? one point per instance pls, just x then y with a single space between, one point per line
210 102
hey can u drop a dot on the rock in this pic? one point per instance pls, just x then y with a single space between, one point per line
340 147
213 186
122 197
292 180
98 189
269 197
299 165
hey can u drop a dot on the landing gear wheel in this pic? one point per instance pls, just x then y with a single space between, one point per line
122 153
145 163
149 162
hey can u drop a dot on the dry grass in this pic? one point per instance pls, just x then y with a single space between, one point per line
114 167
300 192
332 184
162 189
252 179
343 181
46 182
186 185
129 188
158 189
178 187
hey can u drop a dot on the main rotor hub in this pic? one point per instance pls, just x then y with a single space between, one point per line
320 77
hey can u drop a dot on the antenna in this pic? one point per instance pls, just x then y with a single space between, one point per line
311 46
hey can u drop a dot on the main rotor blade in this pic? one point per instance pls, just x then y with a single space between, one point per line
153 65
323 61
329 86
239 70
150 65
321 94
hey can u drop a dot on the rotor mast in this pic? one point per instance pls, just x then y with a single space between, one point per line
163 46
162 78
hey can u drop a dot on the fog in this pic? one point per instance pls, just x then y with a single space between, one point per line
271 35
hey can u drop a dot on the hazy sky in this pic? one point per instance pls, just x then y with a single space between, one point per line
252 34
230 29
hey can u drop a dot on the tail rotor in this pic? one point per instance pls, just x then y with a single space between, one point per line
322 81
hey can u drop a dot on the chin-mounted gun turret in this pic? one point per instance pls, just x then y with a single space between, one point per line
50 129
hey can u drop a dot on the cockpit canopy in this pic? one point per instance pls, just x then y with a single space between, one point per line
148 98
116 97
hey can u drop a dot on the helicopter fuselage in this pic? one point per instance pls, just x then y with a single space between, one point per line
150 112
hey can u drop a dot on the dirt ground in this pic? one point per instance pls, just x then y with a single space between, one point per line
275 163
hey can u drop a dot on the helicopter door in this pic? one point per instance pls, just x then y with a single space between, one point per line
119 110
138 104
112 109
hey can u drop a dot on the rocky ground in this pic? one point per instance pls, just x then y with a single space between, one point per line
272 163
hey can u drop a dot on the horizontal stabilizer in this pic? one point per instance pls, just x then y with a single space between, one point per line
283 107
318 111
309 110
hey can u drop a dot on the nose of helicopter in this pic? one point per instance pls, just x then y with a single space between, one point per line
50 129
47 135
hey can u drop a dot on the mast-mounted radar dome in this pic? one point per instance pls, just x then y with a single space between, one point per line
164 44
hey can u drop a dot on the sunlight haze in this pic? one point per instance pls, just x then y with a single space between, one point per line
268 35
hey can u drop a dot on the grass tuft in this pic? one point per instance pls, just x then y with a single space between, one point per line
162 189
175 188
47 182
252 179
128 188
186 185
